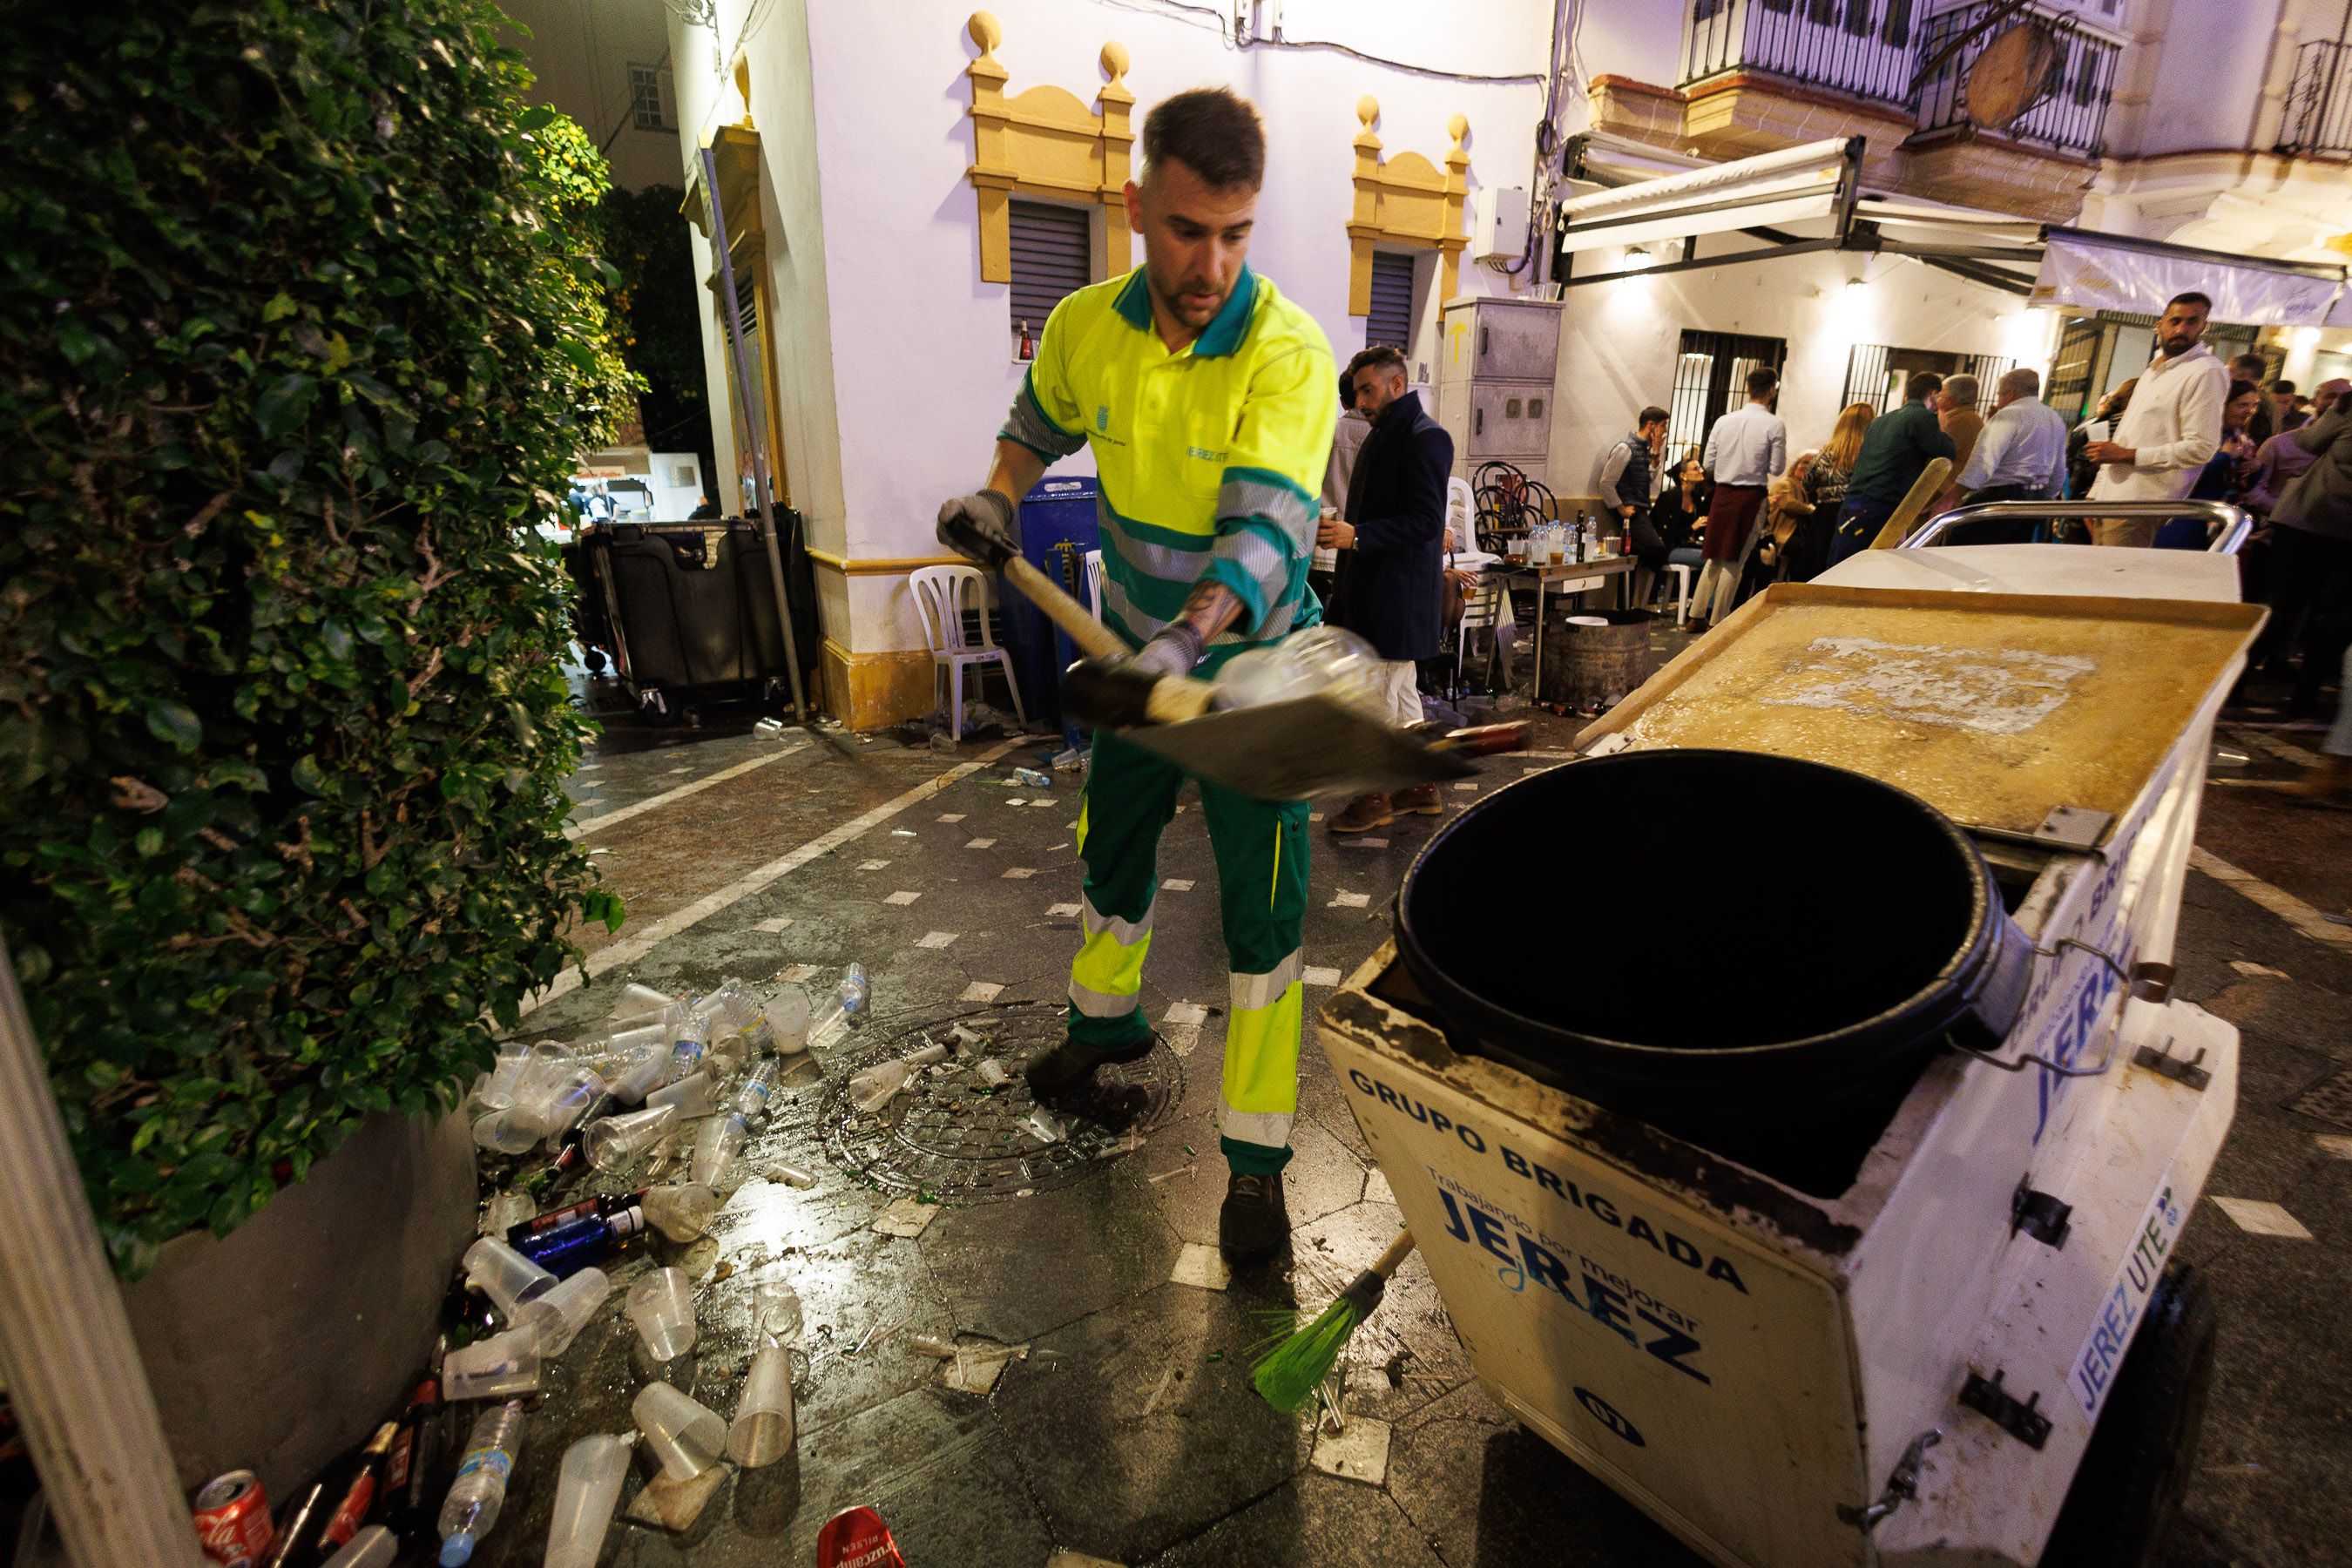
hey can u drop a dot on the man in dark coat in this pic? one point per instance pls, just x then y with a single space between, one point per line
1392 578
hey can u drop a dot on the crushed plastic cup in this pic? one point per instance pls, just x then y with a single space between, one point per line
611 1141
556 1099
500 1367
374 1547
993 1072
509 1131
587 1487
685 1435
681 1211
506 1275
791 1175
697 1094
763 1429
661 1304
788 1020
556 1319
776 1313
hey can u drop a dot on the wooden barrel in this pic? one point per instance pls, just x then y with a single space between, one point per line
1584 663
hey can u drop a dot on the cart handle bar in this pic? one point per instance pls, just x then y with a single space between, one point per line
2235 524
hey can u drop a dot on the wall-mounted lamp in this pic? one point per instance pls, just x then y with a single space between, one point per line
1854 283
2306 337
1637 257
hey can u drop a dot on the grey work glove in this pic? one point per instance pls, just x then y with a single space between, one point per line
982 526
1174 650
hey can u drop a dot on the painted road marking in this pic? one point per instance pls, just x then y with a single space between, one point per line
2334 1144
952 816
1348 900
935 938
1064 909
652 803
872 865
1320 976
2257 1217
2280 902
1204 1267
1016 873
2284 751
2250 969
1177 885
605 960
1364 843
1185 1013
902 897
981 990
774 924
979 843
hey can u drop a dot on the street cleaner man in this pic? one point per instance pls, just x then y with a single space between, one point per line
1207 399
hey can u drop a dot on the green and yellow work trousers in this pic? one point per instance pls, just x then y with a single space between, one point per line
1261 849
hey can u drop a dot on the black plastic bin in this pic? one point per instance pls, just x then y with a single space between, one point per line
691 611
1752 953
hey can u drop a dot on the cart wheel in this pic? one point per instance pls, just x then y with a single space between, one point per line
2127 1496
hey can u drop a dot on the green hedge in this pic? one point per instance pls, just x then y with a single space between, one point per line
297 340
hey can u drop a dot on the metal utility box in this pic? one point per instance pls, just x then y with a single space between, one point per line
1907 1371
1496 363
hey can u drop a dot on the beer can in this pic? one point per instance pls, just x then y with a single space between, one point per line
857 1538
233 1519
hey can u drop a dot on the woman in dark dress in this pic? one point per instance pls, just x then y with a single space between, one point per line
1680 513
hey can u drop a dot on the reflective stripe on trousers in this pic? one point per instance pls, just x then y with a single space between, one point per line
1262 1034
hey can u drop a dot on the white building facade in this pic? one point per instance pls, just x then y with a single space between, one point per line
867 201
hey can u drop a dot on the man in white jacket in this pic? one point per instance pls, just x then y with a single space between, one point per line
2171 429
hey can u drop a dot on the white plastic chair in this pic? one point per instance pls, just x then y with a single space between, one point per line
1094 584
1461 513
1684 571
1482 610
942 594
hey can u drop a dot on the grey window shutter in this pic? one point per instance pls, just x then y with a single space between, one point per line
1051 252
1390 321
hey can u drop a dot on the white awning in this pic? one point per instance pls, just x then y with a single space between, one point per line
1808 198
2103 272
1779 190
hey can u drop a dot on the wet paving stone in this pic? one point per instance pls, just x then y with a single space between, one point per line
1013 1271
1133 1437
1310 1518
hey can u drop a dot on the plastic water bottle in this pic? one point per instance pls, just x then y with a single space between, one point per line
685 1052
751 1100
856 995
472 1507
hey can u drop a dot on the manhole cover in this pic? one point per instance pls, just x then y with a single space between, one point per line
952 1135
2329 1100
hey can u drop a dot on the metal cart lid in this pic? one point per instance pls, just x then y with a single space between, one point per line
2024 715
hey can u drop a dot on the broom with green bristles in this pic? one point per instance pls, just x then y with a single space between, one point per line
1288 1375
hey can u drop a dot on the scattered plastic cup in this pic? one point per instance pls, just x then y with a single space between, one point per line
661 1304
509 1131
776 1313
763 1429
506 1211
637 1001
500 1367
569 1099
613 1141
694 1095
374 1547
715 1148
680 1212
641 1074
497 1091
791 1175
685 1435
506 1275
556 1319
788 1020
587 1487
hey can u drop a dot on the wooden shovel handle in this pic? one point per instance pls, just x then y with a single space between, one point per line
1173 699
1907 513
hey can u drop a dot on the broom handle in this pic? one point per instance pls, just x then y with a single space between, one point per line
1387 1264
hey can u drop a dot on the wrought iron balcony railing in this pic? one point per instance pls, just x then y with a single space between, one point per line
1874 49
2319 105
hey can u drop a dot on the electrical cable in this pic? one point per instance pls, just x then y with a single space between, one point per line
1164 8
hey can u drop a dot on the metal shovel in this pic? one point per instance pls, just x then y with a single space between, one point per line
1290 750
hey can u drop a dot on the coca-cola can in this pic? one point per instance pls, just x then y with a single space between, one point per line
233 1519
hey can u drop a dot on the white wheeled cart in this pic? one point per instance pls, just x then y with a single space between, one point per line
1910 1370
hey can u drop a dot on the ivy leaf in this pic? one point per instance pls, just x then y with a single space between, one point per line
174 723
285 404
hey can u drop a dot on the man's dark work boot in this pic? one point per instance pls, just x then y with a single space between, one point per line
1254 1223
1064 1078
